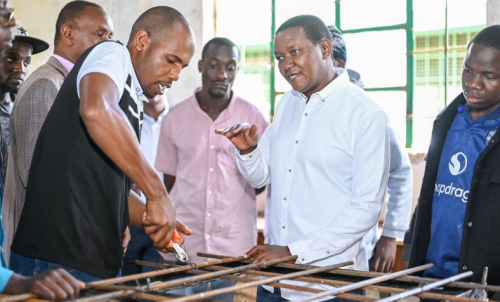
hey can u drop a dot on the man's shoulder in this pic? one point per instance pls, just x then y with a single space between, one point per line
181 108
109 48
44 77
360 101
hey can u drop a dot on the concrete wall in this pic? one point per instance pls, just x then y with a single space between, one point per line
492 12
39 18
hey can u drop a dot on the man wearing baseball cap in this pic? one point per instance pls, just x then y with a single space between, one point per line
14 66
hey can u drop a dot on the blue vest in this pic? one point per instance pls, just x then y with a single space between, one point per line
465 141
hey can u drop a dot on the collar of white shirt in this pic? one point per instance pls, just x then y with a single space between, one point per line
146 117
331 89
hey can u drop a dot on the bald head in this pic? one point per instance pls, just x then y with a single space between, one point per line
161 44
159 22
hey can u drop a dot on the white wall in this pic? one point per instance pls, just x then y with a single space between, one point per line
492 12
39 18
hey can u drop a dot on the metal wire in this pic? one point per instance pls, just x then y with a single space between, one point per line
426 287
347 272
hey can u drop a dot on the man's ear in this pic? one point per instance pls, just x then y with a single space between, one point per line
326 48
200 66
142 41
67 34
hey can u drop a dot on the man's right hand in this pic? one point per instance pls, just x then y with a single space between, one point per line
243 136
56 284
159 220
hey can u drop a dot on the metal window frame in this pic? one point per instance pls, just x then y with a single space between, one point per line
410 62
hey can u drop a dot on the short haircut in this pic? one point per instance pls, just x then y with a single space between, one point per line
489 36
220 42
69 15
315 29
158 22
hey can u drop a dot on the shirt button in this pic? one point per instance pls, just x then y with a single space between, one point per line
284 198
289 170
328 252
209 192
208 236
469 224
306 114
209 214
211 170
492 140
464 268
296 142
303 260
211 147
283 227
250 156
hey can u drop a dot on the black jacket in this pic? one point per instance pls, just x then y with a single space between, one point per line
481 233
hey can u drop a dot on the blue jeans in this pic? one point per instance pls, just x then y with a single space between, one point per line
29 267
140 248
264 295
201 288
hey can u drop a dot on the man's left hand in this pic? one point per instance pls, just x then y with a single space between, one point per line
263 253
385 255
126 239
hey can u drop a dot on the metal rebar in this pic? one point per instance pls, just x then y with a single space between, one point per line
106 296
364 283
192 279
337 283
237 287
164 271
292 287
348 272
16 298
426 287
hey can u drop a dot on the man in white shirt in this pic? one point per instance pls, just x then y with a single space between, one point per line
326 155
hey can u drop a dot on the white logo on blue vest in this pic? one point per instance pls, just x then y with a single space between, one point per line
490 136
458 163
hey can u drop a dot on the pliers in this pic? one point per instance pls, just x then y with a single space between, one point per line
180 254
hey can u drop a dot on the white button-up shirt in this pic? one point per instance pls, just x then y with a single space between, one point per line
328 162
150 134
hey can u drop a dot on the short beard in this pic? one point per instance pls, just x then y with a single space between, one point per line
7 89
216 96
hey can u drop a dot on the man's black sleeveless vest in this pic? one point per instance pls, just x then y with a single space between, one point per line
76 207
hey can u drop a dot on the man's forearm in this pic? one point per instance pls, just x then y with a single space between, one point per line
136 209
109 128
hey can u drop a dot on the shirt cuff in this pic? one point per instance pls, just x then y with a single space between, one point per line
5 275
391 233
249 156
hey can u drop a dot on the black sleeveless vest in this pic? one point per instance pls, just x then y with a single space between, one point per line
76 206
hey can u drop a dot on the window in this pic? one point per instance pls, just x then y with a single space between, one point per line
409 53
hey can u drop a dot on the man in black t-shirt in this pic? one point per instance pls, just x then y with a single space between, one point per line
88 154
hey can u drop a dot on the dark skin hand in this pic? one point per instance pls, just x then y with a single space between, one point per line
243 136
56 284
385 255
126 239
263 253
137 209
